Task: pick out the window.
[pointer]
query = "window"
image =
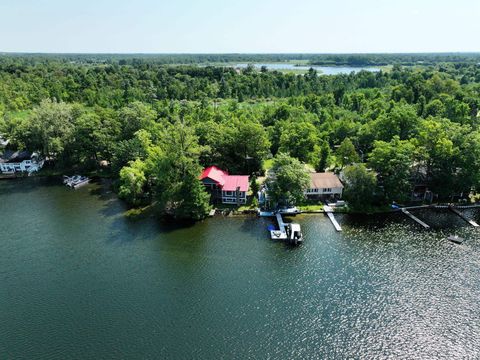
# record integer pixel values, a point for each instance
(327, 190)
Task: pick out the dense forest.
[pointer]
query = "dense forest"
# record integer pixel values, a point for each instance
(157, 125)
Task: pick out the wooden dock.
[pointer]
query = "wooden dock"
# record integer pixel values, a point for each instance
(282, 232)
(329, 211)
(471, 222)
(414, 218)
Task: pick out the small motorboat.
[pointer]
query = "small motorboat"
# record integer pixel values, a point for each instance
(289, 210)
(456, 239)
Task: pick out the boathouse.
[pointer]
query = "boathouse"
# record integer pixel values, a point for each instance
(324, 186)
(229, 189)
(19, 161)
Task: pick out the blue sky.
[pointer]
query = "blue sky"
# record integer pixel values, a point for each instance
(246, 26)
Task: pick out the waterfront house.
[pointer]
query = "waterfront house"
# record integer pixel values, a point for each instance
(19, 161)
(324, 186)
(229, 189)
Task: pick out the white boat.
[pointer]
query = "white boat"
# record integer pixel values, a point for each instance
(75, 181)
(289, 211)
(294, 233)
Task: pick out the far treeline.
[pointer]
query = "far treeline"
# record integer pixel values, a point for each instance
(156, 126)
(406, 59)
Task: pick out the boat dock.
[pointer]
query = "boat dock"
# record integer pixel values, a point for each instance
(414, 218)
(455, 211)
(280, 234)
(329, 211)
(286, 231)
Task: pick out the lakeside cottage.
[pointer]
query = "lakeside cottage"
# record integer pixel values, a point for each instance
(324, 186)
(229, 189)
(12, 162)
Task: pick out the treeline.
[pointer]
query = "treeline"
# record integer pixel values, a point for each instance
(158, 126)
(25, 84)
(407, 59)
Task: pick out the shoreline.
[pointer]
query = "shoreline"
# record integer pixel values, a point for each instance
(107, 180)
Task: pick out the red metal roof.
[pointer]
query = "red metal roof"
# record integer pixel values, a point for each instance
(232, 182)
(228, 182)
(214, 174)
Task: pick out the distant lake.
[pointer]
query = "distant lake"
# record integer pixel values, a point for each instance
(80, 280)
(324, 70)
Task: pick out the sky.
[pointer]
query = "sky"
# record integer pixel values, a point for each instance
(242, 26)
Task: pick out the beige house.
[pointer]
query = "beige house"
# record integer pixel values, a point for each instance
(325, 185)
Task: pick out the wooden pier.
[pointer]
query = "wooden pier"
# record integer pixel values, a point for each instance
(471, 222)
(282, 232)
(329, 211)
(414, 218)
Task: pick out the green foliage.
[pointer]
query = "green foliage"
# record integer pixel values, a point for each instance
(360, 187)
(178, 191)
(300, 140)
(346, 153)
(416, 125)
(393, 161)
(49, 129)
(132, 182)
(287, 180)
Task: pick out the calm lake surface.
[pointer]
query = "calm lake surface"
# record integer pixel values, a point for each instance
(323, 70)
(80, 280)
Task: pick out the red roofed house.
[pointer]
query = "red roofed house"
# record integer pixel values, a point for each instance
(230, 189)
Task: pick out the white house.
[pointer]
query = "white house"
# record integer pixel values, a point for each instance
(325, 185)
(19, 161)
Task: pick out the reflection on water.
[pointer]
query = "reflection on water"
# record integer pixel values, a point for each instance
(80, 280)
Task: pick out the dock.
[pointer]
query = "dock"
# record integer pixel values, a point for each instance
(455, 211)
(329, 211)
(282, 232)
(414, 218)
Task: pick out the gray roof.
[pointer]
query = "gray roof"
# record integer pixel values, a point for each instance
(10, 156)
(326, 180)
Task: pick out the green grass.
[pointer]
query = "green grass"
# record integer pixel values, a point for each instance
(311, 207)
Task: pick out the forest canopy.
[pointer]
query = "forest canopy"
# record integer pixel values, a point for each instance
(157, 124)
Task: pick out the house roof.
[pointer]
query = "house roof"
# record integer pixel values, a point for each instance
(226, 181)
(232, 182)
(214, 174)
(10, 156)
(326, 180)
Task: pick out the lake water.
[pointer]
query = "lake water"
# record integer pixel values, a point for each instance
(80, 280)
(323, 70)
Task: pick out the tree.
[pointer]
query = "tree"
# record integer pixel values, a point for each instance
(300, 139)
(49, 129)
(324, 157)
(360, 186)
(393, 162)
(246, 146)
(134, 117)
(287, 180)
(132, 182)
(346, 153)
(179, 191)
